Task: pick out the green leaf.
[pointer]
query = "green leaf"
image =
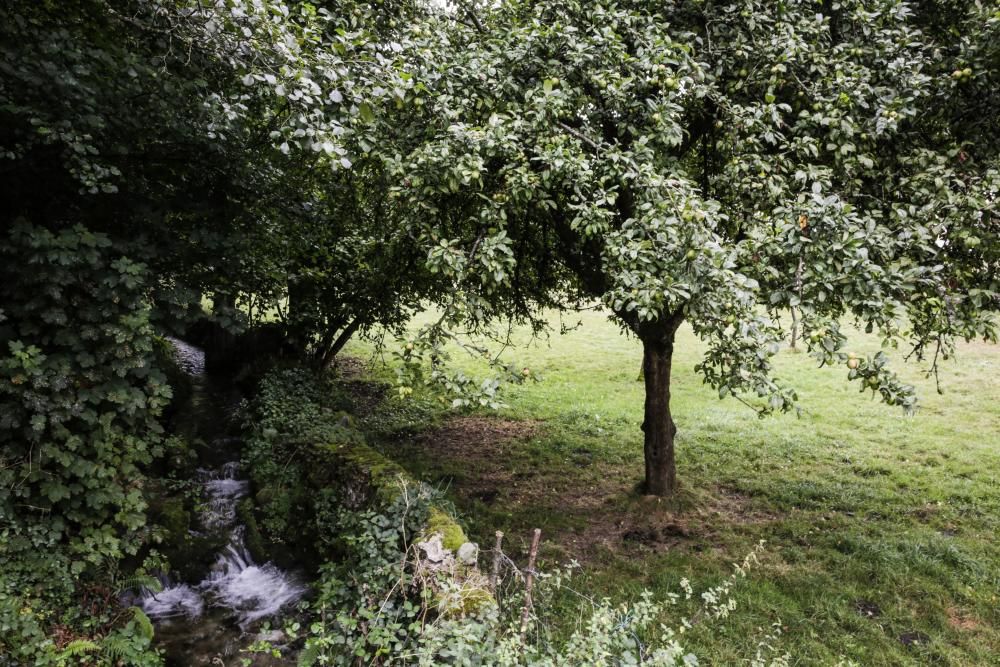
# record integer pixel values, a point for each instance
(366, 112)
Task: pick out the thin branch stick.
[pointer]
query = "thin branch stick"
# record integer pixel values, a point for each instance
(798, 291)
(530, 571)
(470, 12)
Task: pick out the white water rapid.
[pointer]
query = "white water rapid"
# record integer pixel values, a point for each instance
(236, 585)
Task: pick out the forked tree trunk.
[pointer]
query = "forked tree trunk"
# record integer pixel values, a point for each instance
(658, 426)
(331, 347)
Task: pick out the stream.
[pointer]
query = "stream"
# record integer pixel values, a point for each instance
(211, 621)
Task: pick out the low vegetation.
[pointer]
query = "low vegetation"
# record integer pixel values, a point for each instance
(394, 583)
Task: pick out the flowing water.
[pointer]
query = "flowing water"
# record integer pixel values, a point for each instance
(212, 620)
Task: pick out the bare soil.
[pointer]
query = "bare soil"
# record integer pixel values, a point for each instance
(962, 620)
(597, 508)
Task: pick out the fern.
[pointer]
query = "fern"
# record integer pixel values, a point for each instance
(116, 647)
(310, 655)
(143, 623)
(139, 582)
(78, 647)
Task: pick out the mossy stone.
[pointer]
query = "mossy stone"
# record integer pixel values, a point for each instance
(251, 532)
(470, 600)
(452, 535)
(382, 474)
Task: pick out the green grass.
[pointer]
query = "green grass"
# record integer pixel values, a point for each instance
(857, 502)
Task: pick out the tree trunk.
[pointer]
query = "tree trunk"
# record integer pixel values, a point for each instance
(331, 350)
(798, 291)
(658, 426)
(795, 327)
(299, 300)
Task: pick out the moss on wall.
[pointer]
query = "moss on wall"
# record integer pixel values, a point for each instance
(452, 535)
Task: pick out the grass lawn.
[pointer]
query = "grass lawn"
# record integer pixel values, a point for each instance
(882, 530)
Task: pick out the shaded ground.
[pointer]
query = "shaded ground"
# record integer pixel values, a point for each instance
(480, 458)
(366, 395)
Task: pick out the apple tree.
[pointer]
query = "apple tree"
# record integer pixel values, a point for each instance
(714, 163)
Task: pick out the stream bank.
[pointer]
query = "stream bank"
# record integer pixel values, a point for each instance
(283, 510)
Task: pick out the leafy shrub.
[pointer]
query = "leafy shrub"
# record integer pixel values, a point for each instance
(127, 645)
(293, 411)
(79, 396)
(630, 633)
(85, 626)
(79, 404)
(369, 604)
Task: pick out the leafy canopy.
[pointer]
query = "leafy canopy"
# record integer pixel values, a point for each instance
(679, 160)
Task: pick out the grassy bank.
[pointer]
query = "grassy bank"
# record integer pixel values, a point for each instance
(881, 528)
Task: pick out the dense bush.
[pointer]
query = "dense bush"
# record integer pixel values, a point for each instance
(79, 401)
(79, 397)
(369, 604)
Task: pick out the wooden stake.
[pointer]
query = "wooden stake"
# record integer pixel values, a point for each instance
(497, 556)
(529, 580)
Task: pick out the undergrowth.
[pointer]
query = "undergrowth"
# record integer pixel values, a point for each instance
(387, 594)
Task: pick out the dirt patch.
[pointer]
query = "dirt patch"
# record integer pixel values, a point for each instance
(927, 512)
(350, 368)
(483, 449)
(647, 536)
(654, 535)
(737, 507)
(909, 639)
(867, 608)
(486, 496)
(961, 620)
(366, 396)
(625, 521)
(587, 513)
(479, 438)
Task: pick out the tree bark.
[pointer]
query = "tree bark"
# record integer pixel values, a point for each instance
(795, 328)
(300, 299)
(658, 426)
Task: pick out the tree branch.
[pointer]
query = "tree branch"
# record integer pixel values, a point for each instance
(581, 136)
